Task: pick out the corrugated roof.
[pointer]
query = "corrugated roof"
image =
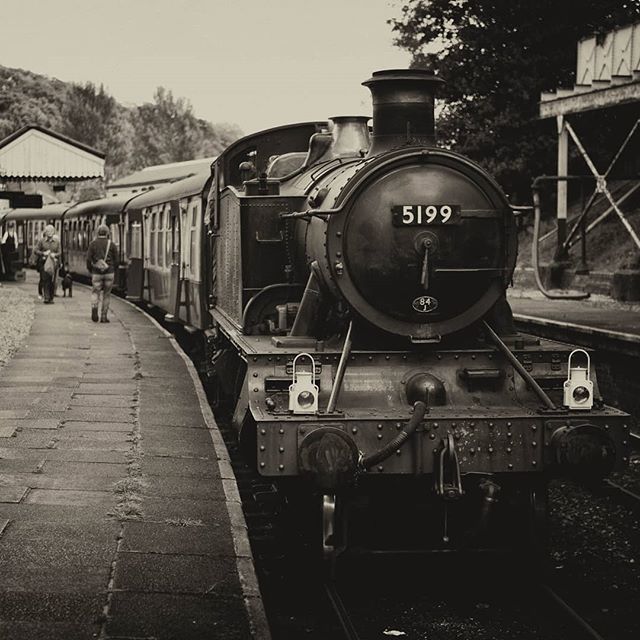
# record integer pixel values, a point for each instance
(36, 153)
(163, 173)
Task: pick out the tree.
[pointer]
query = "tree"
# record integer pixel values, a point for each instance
(165, 130)
(497, 56)
(92, 116)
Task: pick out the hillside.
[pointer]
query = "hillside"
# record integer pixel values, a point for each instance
(609, 246)
(165, 130)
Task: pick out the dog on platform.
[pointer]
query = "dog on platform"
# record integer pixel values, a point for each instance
(67, 281)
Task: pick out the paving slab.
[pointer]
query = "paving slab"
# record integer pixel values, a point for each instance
(170, 418)
(44, 423)
(112, 401)
(86, 444)
(181, 487)
(27, 630)
(115, 389)
(6, 414)
(45, 481)
(101, 414)
(87, 469)
(72, 497)
(185, 467)
(93, 456)
(51, 607)
(29, 438)
(18, 465)
(159, 537)
(43, 413)
(183, 510)
(111, 427)
(177, 617)
(45, 514)
(7, 431)
(13, 494)
(12, 402)
(176, 573)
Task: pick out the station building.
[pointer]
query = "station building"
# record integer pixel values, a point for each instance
(36, 160)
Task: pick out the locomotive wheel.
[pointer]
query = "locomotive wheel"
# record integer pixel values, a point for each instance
(328, 525)
(537, 534)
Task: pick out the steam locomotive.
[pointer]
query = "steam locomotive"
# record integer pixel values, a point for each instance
(360, 289)
(347, 289)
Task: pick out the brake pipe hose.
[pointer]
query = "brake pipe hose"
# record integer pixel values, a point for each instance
(419, 410)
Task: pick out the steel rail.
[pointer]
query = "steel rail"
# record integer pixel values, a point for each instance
(625, 494)
(341, 612)
(587, 630)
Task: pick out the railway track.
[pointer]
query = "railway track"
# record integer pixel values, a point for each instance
(340, 610)
(582, 626)
(621, 494)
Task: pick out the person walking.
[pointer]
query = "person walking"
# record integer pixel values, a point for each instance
(56, 279)
(102, 260)
(48, 251)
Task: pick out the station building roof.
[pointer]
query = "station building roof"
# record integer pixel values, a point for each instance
(607, 74)
(35, 153)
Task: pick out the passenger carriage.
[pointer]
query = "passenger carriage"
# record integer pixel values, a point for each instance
(166, 270)
(27, 226)
(80, 227)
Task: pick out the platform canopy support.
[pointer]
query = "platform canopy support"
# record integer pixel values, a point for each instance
(607, 76)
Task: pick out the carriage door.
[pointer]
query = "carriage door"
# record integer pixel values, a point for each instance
(174, 276)
(135, 272)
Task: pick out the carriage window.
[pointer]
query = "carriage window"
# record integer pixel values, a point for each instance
(136, 240)
(175, 242)
(152, 242)
(160, 238)
(170, 247)
(194, 260)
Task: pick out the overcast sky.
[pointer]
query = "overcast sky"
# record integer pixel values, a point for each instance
(257, 63)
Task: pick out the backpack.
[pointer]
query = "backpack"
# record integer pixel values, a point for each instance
(101, 265)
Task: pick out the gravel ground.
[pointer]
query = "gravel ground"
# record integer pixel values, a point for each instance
(595, 545)
(630, 478)
(16, 316)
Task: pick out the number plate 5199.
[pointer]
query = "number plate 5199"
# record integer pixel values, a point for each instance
(412, 215)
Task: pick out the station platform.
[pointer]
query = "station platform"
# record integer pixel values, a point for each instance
(597, 323)
(119, 512)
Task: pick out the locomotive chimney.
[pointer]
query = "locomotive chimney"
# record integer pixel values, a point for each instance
(403, 101)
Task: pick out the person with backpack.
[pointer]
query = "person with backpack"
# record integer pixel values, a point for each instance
(102, 261)
(47, 252)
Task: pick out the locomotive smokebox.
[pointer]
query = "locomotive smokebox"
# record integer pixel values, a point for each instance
(403, 104)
